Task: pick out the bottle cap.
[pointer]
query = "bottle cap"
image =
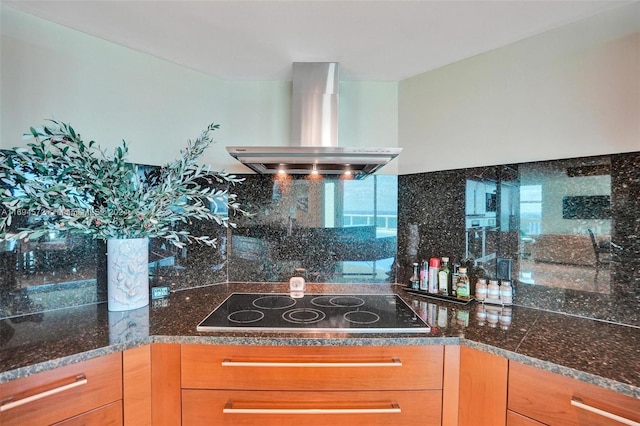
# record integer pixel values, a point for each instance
(445, 259)
(462, 270)
(434, 262)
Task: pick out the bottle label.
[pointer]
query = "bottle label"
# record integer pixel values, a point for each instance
(433, 280)
(443, 281)
(424, 279)
(463, 289)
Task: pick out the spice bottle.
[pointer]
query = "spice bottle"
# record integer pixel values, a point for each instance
(415, 277)
(454, 280)
(434, 267)
(493, 291)
(463, 284)
(506, 295)
(481, 289)
(443, 277)
(424, 276)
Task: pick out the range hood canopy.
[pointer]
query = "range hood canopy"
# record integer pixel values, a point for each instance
(314, 133)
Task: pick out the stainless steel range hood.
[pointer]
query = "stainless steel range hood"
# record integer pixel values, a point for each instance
(314, 132)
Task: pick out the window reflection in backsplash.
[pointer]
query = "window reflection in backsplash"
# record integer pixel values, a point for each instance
(337, 230)
(566, 230)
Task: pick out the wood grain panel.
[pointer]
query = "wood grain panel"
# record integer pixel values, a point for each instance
(421, 368)
(546, 397)
(201, 407)
(451, 385)
(103, 386)
(109, 415)
(165, 384)
(483, 388)
(515, 419)
(136, 364)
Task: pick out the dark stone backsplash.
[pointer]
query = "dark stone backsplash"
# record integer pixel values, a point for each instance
(553, 270)
(292, 228)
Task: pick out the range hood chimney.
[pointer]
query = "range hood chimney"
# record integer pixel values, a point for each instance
(314, 133)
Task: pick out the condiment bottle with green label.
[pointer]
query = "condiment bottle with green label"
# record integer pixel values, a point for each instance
(443, 277)
(463, 287)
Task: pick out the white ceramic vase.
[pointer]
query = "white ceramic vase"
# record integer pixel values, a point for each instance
(127, 273)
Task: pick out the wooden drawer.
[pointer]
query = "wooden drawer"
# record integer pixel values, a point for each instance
(281, 408)
(64, 392)
(547, 398)
(312, 368)
(109, 415)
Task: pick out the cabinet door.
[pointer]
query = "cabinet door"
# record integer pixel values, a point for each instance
(557, 400)
(483, 388)
(136, 365)
(312, 368)
(250, 408)
(64, 392)
(165, 384)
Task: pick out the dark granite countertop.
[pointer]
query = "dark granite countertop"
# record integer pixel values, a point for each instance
(597, 352)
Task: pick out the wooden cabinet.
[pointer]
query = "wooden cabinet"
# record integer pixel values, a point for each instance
(63, 393)
(553, 399)
(483, 388)
(108, 415)
(136, 366)
(379, 408)
(311, 385)
(165, 384)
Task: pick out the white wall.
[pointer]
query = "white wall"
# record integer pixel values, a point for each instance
(109, 93)
(573, 91)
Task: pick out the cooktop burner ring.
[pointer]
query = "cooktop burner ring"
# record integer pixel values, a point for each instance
(372, 317)
(251, 316)
(274, 301)
(293, 315)
(337, 301)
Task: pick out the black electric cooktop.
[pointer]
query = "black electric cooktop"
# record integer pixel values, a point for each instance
(346, 313)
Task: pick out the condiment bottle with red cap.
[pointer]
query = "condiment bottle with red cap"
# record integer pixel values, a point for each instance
(434, 267)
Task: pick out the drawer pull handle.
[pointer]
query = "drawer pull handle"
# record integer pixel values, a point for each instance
(229, 363)
(577, 402)
(9, 403)
(392, 408)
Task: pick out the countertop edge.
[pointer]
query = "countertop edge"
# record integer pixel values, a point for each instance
(551, 367)
(613, 385)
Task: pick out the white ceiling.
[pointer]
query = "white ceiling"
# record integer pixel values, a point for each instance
(258, 40)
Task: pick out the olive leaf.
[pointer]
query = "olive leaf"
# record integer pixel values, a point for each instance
(64, 184)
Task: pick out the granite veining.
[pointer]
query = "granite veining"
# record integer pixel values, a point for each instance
(593, 351)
